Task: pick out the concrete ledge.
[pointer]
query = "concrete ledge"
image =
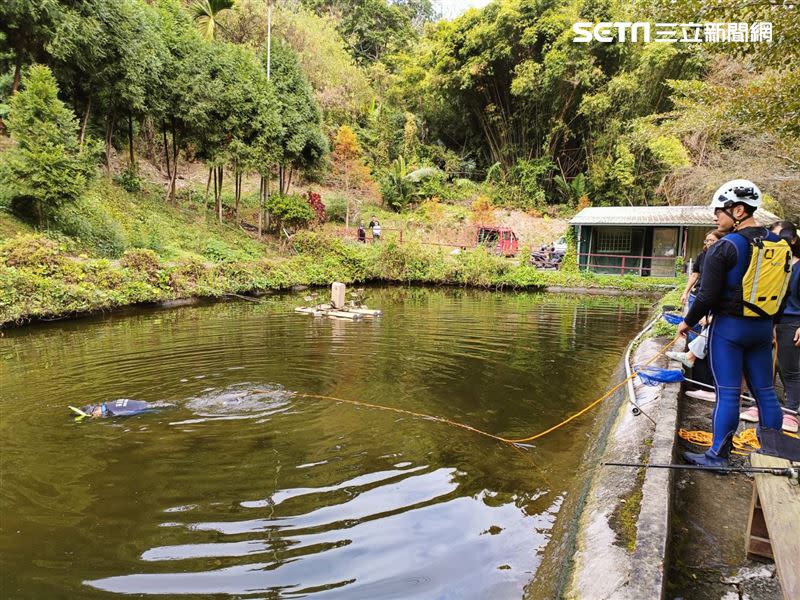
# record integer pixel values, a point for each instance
(600, 291)
(623, 529)
(652, 536)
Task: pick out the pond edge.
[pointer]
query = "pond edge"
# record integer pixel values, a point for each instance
(599, 529)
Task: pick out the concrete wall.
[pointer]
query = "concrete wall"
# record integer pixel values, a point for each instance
(610, 539)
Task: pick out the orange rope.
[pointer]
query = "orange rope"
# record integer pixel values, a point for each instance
(511, 441)
(743, 443)
(404, 412)
(593, 404)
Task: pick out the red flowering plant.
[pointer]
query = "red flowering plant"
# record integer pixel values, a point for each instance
(315, 202)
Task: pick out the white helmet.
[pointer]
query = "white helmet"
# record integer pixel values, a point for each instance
(737, 191)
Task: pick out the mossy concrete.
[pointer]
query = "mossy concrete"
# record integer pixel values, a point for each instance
(620, 544)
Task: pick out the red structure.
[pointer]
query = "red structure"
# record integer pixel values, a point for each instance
(500, 240)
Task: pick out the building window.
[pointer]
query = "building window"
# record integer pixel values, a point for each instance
(614, 240)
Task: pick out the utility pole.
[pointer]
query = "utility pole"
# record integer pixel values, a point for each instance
(269, 38)
(264, 192)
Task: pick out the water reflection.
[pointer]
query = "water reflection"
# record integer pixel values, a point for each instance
(247, 489)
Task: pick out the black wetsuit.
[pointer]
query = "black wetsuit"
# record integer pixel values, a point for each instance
(697, 267)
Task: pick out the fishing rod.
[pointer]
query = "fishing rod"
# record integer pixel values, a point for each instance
(790, 472)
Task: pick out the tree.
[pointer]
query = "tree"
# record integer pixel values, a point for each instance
(374, 29)
(240, 116)
(25, 29)
(341, 87)
(302, 145)
(48, 166)
(508, 85)
(206, 13)
(180, 106)
(111, 53)
(348, 170)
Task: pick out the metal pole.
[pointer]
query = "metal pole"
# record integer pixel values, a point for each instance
(627, 360)
(269, 39)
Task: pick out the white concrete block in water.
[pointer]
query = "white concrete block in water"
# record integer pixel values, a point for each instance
(337, 295)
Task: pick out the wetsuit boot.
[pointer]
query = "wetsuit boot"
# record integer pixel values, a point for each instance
(709, 458)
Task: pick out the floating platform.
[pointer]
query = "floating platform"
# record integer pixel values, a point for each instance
(338, 308)
(346, 312)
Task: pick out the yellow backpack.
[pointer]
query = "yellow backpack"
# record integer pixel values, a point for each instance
(767, 277)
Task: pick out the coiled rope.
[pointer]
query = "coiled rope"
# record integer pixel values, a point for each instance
(511, 441)
(743, 443)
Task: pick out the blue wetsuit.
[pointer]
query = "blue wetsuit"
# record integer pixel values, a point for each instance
(120, 408)
(737, 345)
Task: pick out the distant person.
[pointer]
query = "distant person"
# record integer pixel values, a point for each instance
(787, 334)
(376, 230)
(697, 267)
(362, 234)
(117, 408)
(697, 347)
(743, 300)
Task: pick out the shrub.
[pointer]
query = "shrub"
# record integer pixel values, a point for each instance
(220, 252)
(315, 202)
(31, 250)
(129, 180)
(431, 211)
(290, 210)
(397, 191)
(142, 260)
(336, 209)
(88, 221)
(569, 264)
(433, 185)
(482, 210)
(480, 267)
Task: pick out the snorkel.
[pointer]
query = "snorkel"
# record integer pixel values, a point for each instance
(90, 411)
(80, 414)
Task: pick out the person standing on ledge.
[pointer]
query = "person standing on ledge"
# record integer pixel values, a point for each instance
(745, 276)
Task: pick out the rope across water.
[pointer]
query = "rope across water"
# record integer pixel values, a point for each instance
(511, 441)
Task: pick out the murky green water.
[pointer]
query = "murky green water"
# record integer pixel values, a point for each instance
(245, 490)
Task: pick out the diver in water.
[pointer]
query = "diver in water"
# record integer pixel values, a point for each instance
(116, 408)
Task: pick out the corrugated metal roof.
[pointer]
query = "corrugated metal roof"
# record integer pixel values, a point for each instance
(656, 215)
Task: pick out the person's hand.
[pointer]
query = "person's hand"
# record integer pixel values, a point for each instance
(797, 337)
(683, 329)
(684, 298)
(703, 322)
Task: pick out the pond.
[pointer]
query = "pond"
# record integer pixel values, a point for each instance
(242, 488)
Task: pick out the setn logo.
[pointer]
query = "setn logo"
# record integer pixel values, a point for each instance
(611, 32)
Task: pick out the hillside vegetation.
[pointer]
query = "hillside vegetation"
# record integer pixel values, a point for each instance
(163, 133)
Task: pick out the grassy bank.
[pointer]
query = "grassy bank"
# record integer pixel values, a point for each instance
(44, 278)
(116, 248)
